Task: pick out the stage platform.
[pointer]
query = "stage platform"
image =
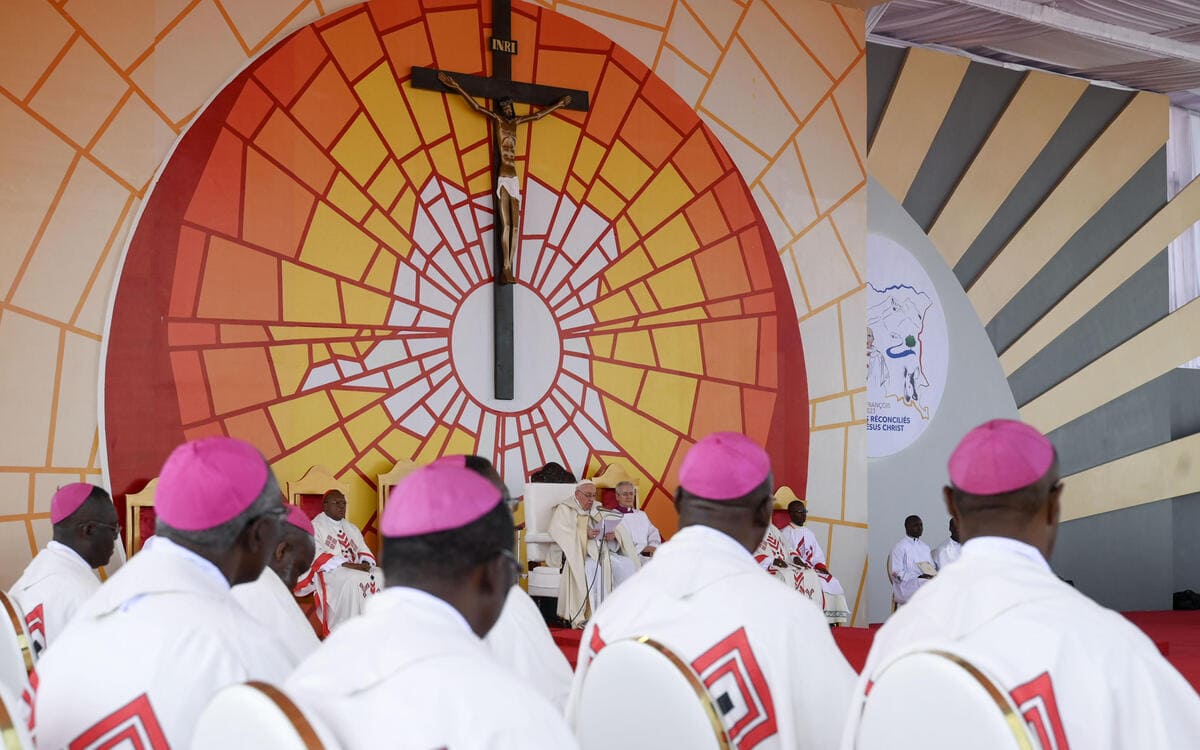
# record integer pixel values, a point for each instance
(1177, 635)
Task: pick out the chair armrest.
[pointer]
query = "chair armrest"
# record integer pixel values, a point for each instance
(539, 537)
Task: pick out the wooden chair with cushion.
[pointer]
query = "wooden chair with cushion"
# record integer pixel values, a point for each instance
(255, 715)
(607, 481)
(135, 503)
(385, 482)
(784, 496)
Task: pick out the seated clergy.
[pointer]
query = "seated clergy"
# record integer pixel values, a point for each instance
(61, 578)
(911, 561)
(634, 539)
(774, 557)
(412, 672)
(350, 571)
(270, 600)
(949, 550)
(520, 639)
(576, 525)
(1081, 676)
(765, 654)
(149, 649)
(806, 551)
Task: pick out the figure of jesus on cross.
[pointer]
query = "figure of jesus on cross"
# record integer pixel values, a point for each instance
(508, 184)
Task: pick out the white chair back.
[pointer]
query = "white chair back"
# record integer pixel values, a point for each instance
(258, 716)
(17, 657)
(933, 698)
(539, 501)
(639, 695)
(14, 732)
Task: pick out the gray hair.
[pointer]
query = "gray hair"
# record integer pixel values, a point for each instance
(625, 483)
(222, 537)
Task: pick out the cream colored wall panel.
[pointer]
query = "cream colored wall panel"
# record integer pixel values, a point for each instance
(1159, 473)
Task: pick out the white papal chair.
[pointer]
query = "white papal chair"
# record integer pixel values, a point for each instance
(14, 734)
(637, 694)
(539, 501)
(937, 698)
(17, 656)
(258, 716)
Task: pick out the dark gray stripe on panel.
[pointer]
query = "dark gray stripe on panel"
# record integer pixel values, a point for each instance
(883, 68)
(1136, 304)
(981, 98)
(1089, 117)
(1133, 205)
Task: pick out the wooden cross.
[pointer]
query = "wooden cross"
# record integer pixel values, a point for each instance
(503, 91)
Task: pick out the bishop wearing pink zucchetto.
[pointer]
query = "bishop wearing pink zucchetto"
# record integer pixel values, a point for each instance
(60, 579)
(150, 647)
(1082, 676)
(763, 650)
(412, 670)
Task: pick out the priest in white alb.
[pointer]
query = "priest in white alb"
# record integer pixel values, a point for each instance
(344, 573)
(412, 671)
(148, 650)
(629, 555)
(270, 599)
(910, 565)
(62, 576)
(949, 550)
(763, 652)
(1081, 676)
(805, 551)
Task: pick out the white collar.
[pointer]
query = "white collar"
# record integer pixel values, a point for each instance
(396, 595)
(166, 546)
(913, 539)
(68, 553)
(1005, 547)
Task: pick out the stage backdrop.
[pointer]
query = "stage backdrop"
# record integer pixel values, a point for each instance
(310, 268)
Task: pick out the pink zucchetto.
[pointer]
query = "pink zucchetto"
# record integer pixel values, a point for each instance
(724, 466)
(438, 497)
(207, 482)
(1000, 456)
(68, 499)
(297, 518)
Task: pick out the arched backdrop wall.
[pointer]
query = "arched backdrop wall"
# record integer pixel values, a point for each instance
(685, 236)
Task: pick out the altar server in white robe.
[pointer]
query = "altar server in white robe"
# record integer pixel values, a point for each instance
(270, 599)
(764, 652)
(344, 573)
(629, 555)
(62, 576)
(520, 639)
(1082, 676)
(949, 550)
(149, 649)
(575, 526)
(805, 551)
(911, 562)
(412, 671)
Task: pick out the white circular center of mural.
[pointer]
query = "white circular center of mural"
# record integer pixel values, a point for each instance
(537, 349)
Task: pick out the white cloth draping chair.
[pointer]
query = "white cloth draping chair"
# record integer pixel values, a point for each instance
(539, 501)
(934, 697)
(17, 658)
(258, 716)
(639, 695)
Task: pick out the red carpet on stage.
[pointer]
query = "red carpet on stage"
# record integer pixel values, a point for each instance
(1177, 635)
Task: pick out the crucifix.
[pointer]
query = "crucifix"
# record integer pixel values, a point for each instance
(503, 92)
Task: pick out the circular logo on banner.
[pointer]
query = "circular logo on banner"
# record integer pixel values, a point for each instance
(907, 348)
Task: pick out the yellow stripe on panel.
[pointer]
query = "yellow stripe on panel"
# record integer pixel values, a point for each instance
(919, 102)
(1170, 222)
(1158, 473)
(1032, 117)
(1161, 347)
(1137, 133)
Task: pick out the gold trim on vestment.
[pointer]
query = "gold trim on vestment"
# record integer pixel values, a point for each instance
(308, 735)
(689, 674)
(19, 631)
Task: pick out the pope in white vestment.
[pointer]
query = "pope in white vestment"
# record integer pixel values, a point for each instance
(911, 562)
(159, 638)
(764, 653)
(62, 576)
(1081, 676)
(803, 547)
(344, 573)
(270, 600)
(412, 672)
(949, 550)
(576, 526)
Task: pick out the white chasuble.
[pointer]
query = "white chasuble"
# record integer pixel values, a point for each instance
(521, 641)
(409, 674)
(763, 651)
(146, 653)
(804, 580)
(908, 560)
(946, 553)
(1082, 676)
(51, 590)
(803, 544)
(587, 572)
(341, 592)
(269, 601)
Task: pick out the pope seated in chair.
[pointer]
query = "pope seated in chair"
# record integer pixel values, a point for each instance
(344, 574)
